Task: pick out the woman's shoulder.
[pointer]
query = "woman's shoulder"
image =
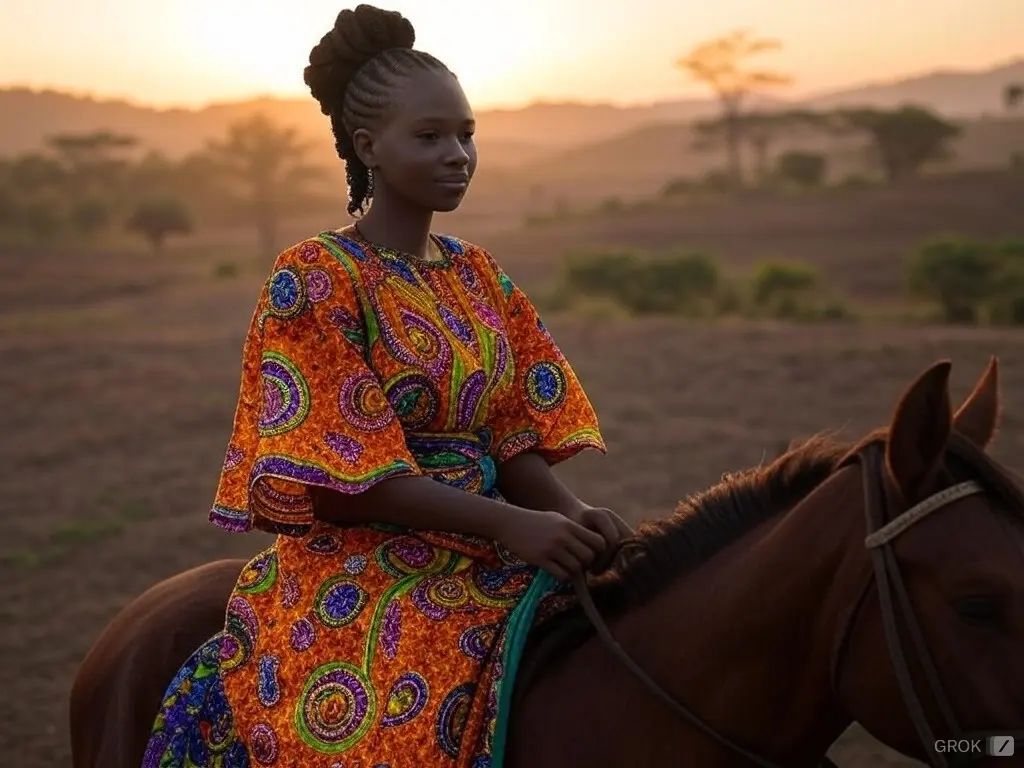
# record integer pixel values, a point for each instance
(455, 245)
(476, 254)
(321, 270)
(481, 262)
(332, 252)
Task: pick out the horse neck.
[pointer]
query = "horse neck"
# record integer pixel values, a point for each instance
(744, 642)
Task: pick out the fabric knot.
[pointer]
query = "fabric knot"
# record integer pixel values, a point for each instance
(459, 459)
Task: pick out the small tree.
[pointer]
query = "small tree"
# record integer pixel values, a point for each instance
(90, 216)
(719, 64)
(760, 130)
(267, 175)
(1013, 96)
(904, 140)
(156, 220)
(43, 218)
(803, 169)
(10, 200)
(93, 163)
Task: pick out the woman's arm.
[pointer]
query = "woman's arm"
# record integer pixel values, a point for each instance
(419, 502)
(527, 480)
(543, 538)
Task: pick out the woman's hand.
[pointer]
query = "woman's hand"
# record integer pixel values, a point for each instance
(612, 528)
(552, 541)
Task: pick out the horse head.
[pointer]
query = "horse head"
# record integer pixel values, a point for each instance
(941, 608)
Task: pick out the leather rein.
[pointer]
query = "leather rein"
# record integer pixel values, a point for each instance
(887, 577)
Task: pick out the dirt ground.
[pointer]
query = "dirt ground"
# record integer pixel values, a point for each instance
(119, 387)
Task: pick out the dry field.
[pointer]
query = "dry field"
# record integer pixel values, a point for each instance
(859, 238)
(119, 386)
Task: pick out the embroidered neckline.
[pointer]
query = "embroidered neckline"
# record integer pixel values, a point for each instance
(436, 241)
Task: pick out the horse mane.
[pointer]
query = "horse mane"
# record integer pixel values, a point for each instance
(707, 521)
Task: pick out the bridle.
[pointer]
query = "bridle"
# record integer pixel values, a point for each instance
(887, 576)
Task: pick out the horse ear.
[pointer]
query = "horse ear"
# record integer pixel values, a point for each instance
(978, 418)
(919, 432)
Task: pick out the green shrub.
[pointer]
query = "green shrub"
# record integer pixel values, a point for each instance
(690, 284)
(612, 205)
(774, 281)
(1006, 305)
(971, 281)
(675, 284)
(802, 169)
(225, 269)
(678, 187)
(958, 274)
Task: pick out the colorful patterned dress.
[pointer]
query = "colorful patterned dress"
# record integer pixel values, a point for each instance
(372, 646)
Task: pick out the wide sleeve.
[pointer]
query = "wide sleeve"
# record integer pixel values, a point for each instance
(542, 407)
(310, 410)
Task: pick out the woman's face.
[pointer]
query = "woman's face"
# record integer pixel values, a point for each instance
(423, 152)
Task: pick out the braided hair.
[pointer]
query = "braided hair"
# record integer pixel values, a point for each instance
(353, 72)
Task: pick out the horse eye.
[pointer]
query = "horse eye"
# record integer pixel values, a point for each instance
(979, 610)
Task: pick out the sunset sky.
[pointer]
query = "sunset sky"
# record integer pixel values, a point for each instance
(506, 52)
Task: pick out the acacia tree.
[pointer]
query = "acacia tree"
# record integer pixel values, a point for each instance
(904, 140)
(1013, 96)
(36, 206)
(156, 219)
(266, 174)
(93, 162)
(721, 65)
(95, 167)
(760, 130)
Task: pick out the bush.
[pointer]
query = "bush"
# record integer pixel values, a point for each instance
(958, 274)
(612, 205)
(678, 187)
(225, 269)
(691, 285)
(90, 216)
(776, 281)
(802, 169)
(971, 281)
(676, 284)
(43, 218)
(1006, 306)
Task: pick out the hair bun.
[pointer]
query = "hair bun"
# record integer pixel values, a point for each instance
(357, 37)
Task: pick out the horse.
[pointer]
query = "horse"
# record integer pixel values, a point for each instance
(880, 582)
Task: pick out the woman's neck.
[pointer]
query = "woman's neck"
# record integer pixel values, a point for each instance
(397, 225)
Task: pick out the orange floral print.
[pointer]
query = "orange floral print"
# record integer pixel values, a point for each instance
(372, 645)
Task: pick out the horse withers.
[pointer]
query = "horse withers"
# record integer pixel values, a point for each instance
(880, 582)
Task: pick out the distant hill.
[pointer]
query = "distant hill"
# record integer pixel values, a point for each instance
(640, 162)
(509, 137)
(955, 93)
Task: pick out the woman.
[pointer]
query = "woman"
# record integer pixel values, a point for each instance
(401, 405)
